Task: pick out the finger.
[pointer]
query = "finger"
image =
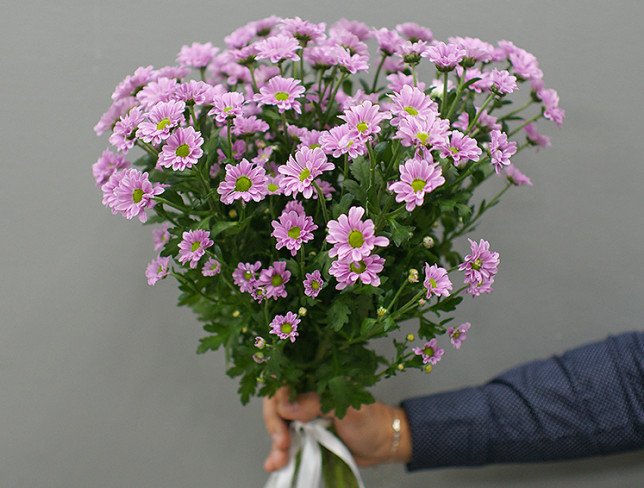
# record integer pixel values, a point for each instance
(305, 408)
(275, 425)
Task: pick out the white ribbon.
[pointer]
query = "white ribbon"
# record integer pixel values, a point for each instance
(308, 437)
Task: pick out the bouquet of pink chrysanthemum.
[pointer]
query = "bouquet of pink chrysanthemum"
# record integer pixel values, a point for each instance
(305, 208)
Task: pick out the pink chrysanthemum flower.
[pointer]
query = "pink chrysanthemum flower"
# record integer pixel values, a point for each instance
(245, 276)
(422, 131)
(157, 269)
(109, 199)
(247, 126)
(294, 206)
(389, 41)
(458, 334)
(364, 120)
(263, 155)
(227, 106)
(273, 184)
(417, 178)
(197, 92)
(197, 55)
(475, 49)
(274, 280)
(278, 48)
(352, 238)
(303, 30)
(182, 149)
(300, 171)
(516, 177)
(118, 109)
(415, 32)
(193, 246)
(359, 29)
(534, 137)
(338, 141)
(107, 165)
(176, 72)
(398, 80)
(445, 56)
(430, 352)
(239, 149)
(500, 150)
(437, 281)
(285, 326)
(212, 267)
(244, 181)
(352, 63)
(348, 272)
(524, 64)
(486, 121)
(292, 230)
(460, 148)
(161, 118)
(160, 236)
(552, 111)
(123, 135)
(410, 102)
(502, 82)
(282, 92)
(126, 88)
(480, 265)
(161, 90)
(133, 194)
(313, 284)
(327, 190)
(412, 52)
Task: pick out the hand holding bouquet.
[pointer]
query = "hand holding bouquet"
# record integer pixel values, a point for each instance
(308, 200)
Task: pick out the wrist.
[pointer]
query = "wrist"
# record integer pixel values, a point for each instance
(400, 436)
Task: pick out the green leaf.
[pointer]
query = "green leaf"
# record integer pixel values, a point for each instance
(447, 305)
(338, 314)
(342, 206)
(220, 227)
(360, 170)
(400, 233)
(247, 387)
(210, 343)
(173, 197)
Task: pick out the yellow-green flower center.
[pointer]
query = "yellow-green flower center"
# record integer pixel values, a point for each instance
(137, 195)
(276, 280)
(418, 184)
(248, 275)
(160, 269)
(432, 282)
(281, 96)
(358, 267)
(362, 126)
(428, 351)
(195, 246)
(453, 150)
(356, 239)
(163, 123)
(272, 187)
(227, 109)
(313, 146)
(183, 150)
(304, 174)
(477, 264)
(294, 232)
(422, 137)
(411, 111)
(315, 285)
(286, 328)
(243, 183)
(456, 334)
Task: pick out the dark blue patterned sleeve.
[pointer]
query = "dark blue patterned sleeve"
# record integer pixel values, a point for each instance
(587, 402)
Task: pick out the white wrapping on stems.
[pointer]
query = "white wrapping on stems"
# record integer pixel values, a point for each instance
(308, 437)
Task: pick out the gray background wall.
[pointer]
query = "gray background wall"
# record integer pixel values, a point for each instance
(99, 383)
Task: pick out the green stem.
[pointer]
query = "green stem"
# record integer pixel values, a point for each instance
(345, 173)
(195, 122)
(514, 112)
(229, 124)
(478, 114)
(375, 79)
(444, 100)
(253, 81)
(457, 97)
(395, 298)
(332, 99)
(322, 202)
(147, 148)
(529, 121)
(409, 305)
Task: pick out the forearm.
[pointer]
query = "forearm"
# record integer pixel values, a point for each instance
(589, 401)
